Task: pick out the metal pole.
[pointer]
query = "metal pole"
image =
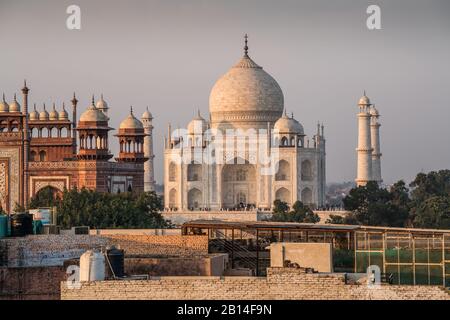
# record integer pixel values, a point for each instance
(257, 252)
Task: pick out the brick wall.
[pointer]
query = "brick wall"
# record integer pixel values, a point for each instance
(31, 283)
(281, 283)
(53, 250)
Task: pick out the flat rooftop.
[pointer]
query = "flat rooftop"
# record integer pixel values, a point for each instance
(268, 225)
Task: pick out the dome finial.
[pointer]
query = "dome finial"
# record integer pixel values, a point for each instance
(4, 97)
(246, 45)
(54, 106)
(131, 110)
(292, 115)
(64, 106)
(35, 107)
(93, 100)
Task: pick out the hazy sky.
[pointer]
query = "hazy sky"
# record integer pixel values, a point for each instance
(168, 55)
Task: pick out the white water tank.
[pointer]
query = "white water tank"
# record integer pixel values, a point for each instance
(92, 266)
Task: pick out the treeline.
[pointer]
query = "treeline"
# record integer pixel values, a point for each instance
(424, 203)
(103, 210)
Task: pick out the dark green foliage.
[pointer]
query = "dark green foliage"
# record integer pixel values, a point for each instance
(426, 206)
(105, 210)
(46, 197)
(299, 213)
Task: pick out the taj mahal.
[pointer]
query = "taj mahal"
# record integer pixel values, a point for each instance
(245, 99)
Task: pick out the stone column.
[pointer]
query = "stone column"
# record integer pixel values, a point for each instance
(364, 150)
(74, 124)
(26, 146)
(149, 175)
(375, 137)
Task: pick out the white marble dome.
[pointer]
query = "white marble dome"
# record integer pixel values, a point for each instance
(53, 114)
(101, 104)
(197, 125)
(288, 125)
(364, 100)
(246, 96)
(131, 122)
(147, 115)
(43, 115)
(4, 107)
(34, 115)
(63, 115)
(92, 114)
(14, 106)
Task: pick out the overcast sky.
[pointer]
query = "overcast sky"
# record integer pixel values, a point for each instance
(168, 55)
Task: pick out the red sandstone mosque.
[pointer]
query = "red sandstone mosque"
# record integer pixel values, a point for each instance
(47, 149)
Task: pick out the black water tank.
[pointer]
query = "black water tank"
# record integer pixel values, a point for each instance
(21, 224)
(116, 259)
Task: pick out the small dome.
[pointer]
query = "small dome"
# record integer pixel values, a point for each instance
(92, 114)
(4, 107)
(197, 125)
(374, 111)
(147, 115)
(53, 114)
(63, 115)
(34, 115)
(288, 125)
(131, 122)
(101, 104)
(364, 100)
(43, 115)
(14, 106)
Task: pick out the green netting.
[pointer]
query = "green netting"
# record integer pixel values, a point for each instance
(376, 258)
(436, 275)
(391, 255)
(392, 269)
(343, 260)
(406, 274)
(362, 261)
(422, 275)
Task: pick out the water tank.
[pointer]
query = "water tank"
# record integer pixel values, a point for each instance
(3, 225)
(92, 266)
(21, 224)
(116, 261)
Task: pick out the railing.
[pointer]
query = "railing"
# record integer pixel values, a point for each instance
(236, 251)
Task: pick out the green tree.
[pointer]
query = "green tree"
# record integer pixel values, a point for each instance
(374, 206)
(431, 184)
(104, 210)
(433, 212)
(46, 197)
(299, 213)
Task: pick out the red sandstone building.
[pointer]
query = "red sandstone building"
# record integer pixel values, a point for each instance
(46, 149)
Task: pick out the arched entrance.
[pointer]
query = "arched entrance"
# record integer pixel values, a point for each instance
(238, 185)
(194, 199)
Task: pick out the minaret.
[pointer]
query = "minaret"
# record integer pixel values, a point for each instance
(364, 150)
(26, 144)
(375, 137)
(74, 124)
(149, 174)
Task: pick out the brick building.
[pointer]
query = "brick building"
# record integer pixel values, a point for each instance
(47, 149)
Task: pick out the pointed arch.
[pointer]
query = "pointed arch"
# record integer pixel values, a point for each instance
(283, 194)
(194, 199)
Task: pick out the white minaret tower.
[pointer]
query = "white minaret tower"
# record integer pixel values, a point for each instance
(149, 174)
(375, 137)
(364, 150)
